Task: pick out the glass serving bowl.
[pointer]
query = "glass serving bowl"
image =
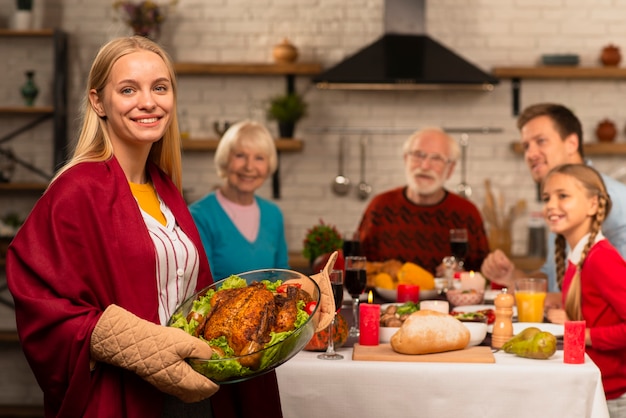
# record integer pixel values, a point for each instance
(225, 370)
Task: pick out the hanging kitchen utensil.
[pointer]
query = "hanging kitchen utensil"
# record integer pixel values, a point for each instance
(364, 189)
(341, 184)
(463, 188)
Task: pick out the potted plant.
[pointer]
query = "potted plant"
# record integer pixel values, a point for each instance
(321, 239)
(24, 4)
(287, 109)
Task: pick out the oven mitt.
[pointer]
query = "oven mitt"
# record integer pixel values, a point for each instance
(326, 311)
(154, 352)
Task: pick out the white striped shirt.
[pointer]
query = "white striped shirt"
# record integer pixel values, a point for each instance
(177, 262)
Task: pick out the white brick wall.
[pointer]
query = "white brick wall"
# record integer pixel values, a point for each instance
(487, 32)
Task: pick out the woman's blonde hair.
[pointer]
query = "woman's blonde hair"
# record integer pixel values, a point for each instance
(592, 181)
(249, 133)
(94, 143)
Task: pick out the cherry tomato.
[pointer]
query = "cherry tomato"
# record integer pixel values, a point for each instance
(283, 287)
(310, 307)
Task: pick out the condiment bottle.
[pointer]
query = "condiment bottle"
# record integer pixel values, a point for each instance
(503, 325)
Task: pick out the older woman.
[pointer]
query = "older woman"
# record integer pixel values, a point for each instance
(241, 232)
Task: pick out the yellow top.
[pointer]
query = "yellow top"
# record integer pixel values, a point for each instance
(148, 201)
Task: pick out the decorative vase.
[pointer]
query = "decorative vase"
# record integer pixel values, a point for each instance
(286, 129)
(285, 52)
(22, 20)
(610, 56)
(29, 89)
(606, 131)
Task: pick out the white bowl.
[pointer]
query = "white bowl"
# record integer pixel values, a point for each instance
(478, 332)
(385, 333)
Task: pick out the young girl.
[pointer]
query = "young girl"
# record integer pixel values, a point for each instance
(594, 279)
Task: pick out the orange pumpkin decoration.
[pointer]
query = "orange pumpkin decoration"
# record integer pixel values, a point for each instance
(319, 341)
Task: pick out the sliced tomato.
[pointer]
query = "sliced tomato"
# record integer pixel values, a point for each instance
(310, 307)
(283, 287)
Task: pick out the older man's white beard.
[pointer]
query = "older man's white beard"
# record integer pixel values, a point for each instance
(414, 186)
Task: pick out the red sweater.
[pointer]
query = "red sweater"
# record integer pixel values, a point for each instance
(395, 228)
(603, 280)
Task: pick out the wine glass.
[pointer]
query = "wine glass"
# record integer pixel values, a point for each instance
(459, 245)
(351, 244)
(355, 282)
(336, 281)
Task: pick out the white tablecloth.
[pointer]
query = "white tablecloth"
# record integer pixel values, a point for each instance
(511, 387)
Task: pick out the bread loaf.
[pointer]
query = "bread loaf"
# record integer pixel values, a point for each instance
(425, 332)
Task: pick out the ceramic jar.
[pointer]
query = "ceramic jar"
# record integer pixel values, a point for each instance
(606, 131)
(610, 56)
(285, 52)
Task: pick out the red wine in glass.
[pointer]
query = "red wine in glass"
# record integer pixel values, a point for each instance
(458, 244)
(337, 294)
(355, 281)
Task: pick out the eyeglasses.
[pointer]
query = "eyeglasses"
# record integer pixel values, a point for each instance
(435, 160)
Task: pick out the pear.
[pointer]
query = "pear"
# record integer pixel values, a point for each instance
(526, 334)
(541, 346)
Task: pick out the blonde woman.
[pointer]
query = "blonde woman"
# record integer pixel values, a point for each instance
(576, 203)
(110, 250)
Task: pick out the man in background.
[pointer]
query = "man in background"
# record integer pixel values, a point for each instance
(413, 222)
(552, 135)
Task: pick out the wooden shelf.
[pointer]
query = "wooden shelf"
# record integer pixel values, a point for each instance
(9, 336)
(599, 148)
(191, 68)
(23, 110)
(552, 72)
(24, 33)
(282, 144)
(23, 187)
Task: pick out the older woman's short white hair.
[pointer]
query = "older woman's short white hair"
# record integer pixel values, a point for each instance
(453, 146)
(245, 133)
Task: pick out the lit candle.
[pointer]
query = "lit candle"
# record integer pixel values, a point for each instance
(473, 280)
(435, 305)
(408, 292)
(369, 322)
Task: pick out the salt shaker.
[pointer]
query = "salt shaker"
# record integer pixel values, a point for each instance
(503, 325)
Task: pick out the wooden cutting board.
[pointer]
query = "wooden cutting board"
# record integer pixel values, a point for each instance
(384, 352)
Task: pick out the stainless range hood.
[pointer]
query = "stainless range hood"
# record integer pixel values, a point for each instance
(404, 59)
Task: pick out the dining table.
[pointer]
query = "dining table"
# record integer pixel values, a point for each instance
(510, 386)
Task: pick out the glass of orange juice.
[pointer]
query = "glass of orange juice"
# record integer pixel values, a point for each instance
(530, 295)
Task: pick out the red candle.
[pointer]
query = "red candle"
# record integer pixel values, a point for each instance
(574, 342)
(369, 324)
(408, 292)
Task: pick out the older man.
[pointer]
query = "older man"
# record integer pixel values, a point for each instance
(552, 135)
(413, 222)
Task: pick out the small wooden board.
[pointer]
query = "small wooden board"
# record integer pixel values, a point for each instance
(384, 352)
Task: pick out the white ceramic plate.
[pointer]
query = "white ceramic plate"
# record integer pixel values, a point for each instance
(555, 329)
(391, 295)
(490, 295)
(476, 308)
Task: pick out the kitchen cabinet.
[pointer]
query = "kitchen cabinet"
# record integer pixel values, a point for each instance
(38, 114)
(556, 72)
(287, 70)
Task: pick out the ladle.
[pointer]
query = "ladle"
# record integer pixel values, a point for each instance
(364, 189)
(463, 188)
(341, 184)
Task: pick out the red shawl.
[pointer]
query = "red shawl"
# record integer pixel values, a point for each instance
(83, 247)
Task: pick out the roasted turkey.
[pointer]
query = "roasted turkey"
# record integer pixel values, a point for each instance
(246, 316)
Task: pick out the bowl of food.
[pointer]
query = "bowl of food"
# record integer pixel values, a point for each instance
(477, 326)
(392, 316)
(458, 297)
(253, 321)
